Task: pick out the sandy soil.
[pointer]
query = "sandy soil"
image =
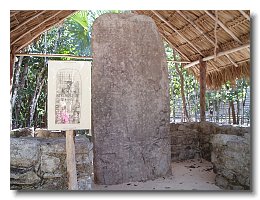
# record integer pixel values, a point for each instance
(187, 175)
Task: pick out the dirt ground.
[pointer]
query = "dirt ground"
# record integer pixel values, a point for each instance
(187, 175)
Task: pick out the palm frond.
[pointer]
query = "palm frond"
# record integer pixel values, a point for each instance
(81, 18)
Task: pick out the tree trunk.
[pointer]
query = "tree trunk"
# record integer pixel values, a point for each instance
(217, 110)
(233, 111)
(14, 90)
(12, 59)
(37, 92)
(244, 101)
(238, 111)
(16, 85)
(229, 117)
(243, 107)
(195, 105)
(182, 87)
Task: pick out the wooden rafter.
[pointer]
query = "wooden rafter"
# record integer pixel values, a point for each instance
(214, 66)
(174, 47)
(215, 35)
(13, 13)
(76, 57)
(229, 65)
(245, 15)
(53, 55)
(38, 25)
(176, 31)
(224, 27)
(231, 60)
(26, 21)
(223, 53)
(195, 26)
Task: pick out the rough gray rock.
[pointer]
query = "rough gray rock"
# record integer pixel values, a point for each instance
(24, 151)
(231, 161)
(227, 147)
(130, 102)
(22, 132)
(40, 164)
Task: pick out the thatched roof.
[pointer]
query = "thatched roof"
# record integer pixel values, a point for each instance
(194, 34)
(223, 35)
(27, 25)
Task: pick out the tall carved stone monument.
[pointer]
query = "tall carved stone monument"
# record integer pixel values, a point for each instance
(130, 102)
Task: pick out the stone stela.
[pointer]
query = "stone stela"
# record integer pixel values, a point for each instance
(130, 102)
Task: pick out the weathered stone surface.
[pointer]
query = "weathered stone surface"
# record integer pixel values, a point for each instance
(231, 161)
(44, 133)
(24, 151)
(24, 176)
(221, 181)
(54, 184)
(22, 132)
(184, 143)
(40, 164)
(50, 166)
(130, 103)
(227, 147)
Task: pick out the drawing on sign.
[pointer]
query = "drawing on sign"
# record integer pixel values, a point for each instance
(68, 97)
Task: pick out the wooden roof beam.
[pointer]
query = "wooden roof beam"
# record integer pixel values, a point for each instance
(245, 15)
(231, 60)
(214, 66)
(26, 21)
(13, 13)
(195, 26)
(38, 25)
(248, 50)
(223, 53)
(75, 57)
(174, 47)
(229, 65)
(176, 31)
(224, 27)
(53, 55)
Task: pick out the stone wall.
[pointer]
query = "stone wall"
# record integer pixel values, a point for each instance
(231, 160)
(190, 140)
(40, 164)
(184, 142)
(227, 147)
(130, 100)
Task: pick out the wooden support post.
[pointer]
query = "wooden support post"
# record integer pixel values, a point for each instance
(71, 161)
(203, 68)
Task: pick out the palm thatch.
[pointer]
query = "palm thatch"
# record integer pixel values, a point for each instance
(194, 34)
(27, 25)
(202, 33)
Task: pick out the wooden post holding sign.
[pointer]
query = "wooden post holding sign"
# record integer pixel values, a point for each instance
(203, 68)
(69, 105)
(71, 160)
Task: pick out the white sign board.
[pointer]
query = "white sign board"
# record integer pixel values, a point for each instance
(69, 95)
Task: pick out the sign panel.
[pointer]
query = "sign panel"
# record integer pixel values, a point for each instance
(69, 95)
